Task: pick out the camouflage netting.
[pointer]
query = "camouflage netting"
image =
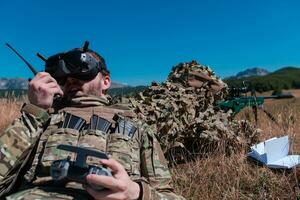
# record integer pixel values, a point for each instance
(182, 110)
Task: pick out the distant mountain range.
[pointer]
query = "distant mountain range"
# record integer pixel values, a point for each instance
(284, 78)
(252, 72)
(261, 80)
(22, 83)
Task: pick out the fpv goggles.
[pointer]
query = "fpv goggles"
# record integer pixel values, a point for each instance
(77, 63)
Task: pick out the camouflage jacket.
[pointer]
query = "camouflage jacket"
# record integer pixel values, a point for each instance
(28, 147)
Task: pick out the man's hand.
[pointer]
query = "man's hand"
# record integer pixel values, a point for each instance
(42, 89)
(120, 186)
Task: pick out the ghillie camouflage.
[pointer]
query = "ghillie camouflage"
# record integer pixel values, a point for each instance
(182, 111)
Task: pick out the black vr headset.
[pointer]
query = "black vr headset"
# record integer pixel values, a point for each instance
(79, 63)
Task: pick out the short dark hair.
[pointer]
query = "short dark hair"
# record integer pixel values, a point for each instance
(103, 68)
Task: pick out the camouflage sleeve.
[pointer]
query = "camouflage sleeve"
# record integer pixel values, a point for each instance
(19, 136)
(154, 168)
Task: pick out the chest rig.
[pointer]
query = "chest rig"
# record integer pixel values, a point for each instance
(105, 128)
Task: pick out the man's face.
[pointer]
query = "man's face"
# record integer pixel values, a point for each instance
(76, 88)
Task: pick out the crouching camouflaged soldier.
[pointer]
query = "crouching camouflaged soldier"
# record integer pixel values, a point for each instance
(83, 117)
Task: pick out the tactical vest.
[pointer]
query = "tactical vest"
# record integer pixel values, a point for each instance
(62, 130)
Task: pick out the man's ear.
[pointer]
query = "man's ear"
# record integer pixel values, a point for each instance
(106, 82)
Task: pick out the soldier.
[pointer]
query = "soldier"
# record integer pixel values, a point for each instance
(28, 145)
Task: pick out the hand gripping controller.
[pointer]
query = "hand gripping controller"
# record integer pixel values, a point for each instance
(78, 170)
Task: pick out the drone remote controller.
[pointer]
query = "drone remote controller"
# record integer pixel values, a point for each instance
(78, 170)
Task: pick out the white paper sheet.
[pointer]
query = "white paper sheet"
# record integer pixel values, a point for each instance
(274, 153)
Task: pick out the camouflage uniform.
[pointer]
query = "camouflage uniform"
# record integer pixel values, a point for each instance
(28, 147)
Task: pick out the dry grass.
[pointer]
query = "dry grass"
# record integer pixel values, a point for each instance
(9, 110)
(235, 177)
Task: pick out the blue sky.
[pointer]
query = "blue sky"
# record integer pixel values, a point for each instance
(142, 40)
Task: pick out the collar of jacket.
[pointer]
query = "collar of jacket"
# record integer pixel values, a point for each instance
(83, 101)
